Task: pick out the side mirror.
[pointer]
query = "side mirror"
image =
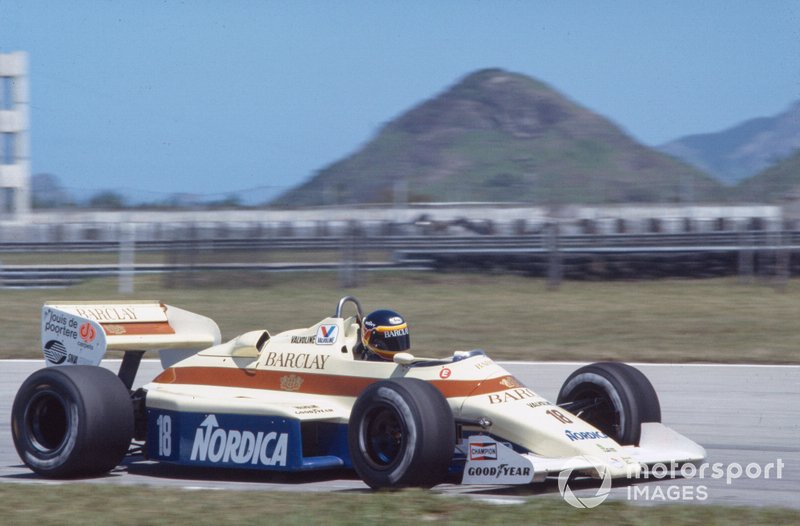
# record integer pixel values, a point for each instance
(404, 358)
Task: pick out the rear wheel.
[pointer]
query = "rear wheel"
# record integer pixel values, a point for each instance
(614, 397)
(72, 421)
(401, 434)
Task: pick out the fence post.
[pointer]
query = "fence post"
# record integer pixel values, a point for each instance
(746, 257)
(554, 264)
(348, 270)
(170, 255)
(782, 257)
(127, 247)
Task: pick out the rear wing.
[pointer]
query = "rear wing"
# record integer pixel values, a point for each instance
(80, 333)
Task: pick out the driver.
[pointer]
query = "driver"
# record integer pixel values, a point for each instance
(384, 333)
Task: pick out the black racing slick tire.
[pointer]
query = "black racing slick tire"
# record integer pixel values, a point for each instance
(612, 396)
(72, 421)
(401, 434)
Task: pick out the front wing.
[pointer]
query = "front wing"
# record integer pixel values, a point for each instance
(489, 461)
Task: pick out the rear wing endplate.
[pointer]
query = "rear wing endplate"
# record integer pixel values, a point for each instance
(80, 333)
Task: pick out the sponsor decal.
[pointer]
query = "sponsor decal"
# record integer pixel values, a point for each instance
(291, 382)
(55, 352)
(511, 396)
(492, 462)
(291, 360)
(396, 333)
(395, 320)
(483, 451)
(108, 313)
(60, 324)
(303, 339)
(114, 330)
(611, 450)
(68, 339)
(503, 470)
(538, 404)
(216, 444)
(311, 410)
(584, 435)
(510, 382)
(616, 462)
(326, 335)
(117, 312)
(87, 332)
(483, 364)
(445, 373)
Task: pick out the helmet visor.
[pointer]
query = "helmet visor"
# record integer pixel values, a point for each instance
(392, 339)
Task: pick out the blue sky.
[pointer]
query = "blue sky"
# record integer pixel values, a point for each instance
(210, 97)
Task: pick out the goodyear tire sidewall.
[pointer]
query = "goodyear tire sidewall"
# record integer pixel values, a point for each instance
(629, 392)
(33, 451)
(72, 421)
(425, 422)
(396, 470)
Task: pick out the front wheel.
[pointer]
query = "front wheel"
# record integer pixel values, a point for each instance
(613, 397)
(401, 434)
(72, 421)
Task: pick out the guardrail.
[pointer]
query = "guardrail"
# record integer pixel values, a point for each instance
(547, 253)
(27, 276)
(694, 239)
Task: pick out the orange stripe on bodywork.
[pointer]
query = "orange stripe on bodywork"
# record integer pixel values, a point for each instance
(144, 328)
(459, 388)
(311, 383)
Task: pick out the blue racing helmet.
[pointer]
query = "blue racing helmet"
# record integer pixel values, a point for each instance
(385, 333)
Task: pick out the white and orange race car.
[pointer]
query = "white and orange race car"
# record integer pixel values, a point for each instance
(305, 400)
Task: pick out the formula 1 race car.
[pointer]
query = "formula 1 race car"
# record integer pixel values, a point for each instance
(305, 400)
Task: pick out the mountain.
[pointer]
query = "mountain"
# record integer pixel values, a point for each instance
(500, 136)
(777, 184)
(737, 153)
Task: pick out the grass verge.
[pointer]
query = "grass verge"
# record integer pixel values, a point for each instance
(94, 504)
(511, 317)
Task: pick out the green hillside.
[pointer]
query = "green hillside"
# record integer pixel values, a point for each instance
(775, 184)
(499, 136)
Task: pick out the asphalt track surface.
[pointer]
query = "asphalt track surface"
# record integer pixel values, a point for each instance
(745, 416)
